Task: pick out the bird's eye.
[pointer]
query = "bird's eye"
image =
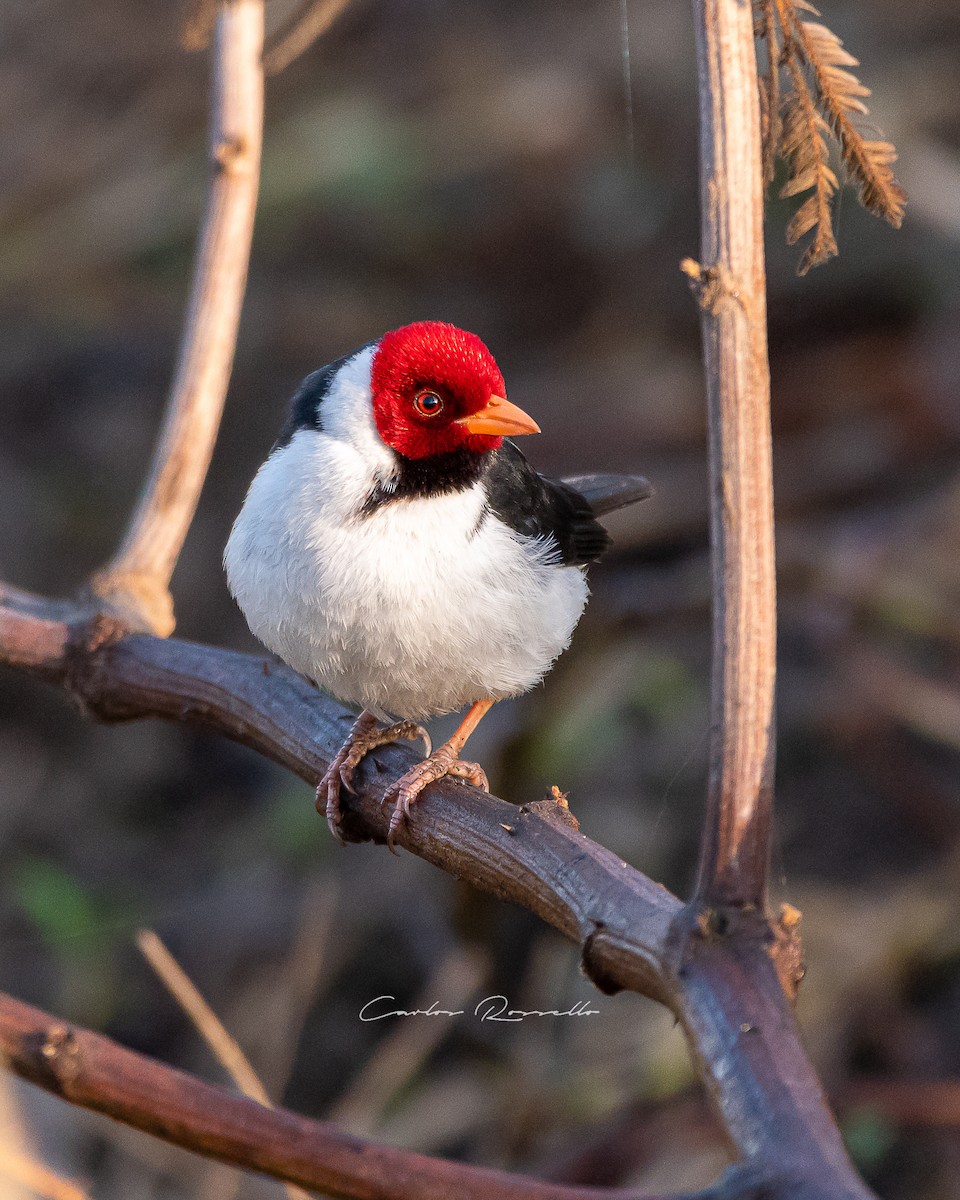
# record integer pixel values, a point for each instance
(427, 403)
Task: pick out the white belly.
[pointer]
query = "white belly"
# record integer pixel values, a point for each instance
(421, 607)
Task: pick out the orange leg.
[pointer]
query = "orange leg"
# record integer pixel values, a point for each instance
(444, 761)
(364, 736)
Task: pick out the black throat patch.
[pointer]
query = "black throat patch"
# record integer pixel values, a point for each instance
(418, 478)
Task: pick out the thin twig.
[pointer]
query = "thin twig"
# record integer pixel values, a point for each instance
(36, 1178)
(206, 1022)
(312, 961)
(735, 848)
(310, 21)
(135, 585)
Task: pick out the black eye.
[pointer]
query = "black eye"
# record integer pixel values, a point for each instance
(428, 404)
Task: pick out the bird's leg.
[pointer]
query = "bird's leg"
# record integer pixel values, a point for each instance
(365, 735)
(444, 761)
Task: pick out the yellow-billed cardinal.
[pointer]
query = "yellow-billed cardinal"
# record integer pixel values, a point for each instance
(399, 552)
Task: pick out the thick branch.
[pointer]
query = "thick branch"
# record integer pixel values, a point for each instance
(136, 583)
(730, 283)
(716, 971)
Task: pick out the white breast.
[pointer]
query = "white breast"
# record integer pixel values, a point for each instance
(420, 607)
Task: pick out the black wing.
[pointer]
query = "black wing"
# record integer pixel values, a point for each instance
(538, 507)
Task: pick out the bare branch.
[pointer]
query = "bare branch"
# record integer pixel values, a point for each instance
(135, 585)
(93, 1072)
(735, 849)
(310, 21)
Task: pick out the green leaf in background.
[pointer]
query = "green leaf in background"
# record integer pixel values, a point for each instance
(869, 1137)
(58, 904)
(295, 828)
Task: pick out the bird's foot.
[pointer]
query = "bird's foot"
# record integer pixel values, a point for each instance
(435, 766)
(364, 737)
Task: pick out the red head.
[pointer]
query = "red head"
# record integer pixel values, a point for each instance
(437, 389)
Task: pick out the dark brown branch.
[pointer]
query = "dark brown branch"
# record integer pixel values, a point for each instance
(731, 287)
(135, 585)
(716, 970)
(94, 1072)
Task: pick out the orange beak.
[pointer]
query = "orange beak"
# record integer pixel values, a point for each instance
(500, 418)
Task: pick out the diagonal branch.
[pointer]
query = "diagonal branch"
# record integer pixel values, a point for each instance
(206, 1022)
(735, 849)
(310, 21)
(94, 1072)
(135, 585)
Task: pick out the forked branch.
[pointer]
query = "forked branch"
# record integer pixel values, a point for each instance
(135, 585)
(722, 973)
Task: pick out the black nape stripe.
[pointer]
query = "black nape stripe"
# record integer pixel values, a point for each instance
(419, 478)
(523, 500)
(306, 406)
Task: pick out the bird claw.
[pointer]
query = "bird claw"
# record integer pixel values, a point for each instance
(408, 787)
(328, 805)
(364, 737)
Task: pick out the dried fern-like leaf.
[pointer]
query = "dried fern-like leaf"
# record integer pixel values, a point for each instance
(805, 149)
(822, 104)
(840, 95)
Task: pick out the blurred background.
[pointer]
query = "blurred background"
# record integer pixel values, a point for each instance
(486, 163)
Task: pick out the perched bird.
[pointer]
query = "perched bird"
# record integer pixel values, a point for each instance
(398, 551)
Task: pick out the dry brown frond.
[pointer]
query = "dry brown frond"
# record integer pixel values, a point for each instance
(841, 97)
(824, 99)
(804, 146)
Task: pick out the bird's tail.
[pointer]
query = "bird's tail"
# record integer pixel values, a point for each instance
(606, 493)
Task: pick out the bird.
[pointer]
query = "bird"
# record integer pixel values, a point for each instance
(397, 549)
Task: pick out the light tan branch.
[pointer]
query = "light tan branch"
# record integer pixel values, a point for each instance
(730, 287)
(22, 1170)
(135, 585)
(206, 1022)
(310, 21)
